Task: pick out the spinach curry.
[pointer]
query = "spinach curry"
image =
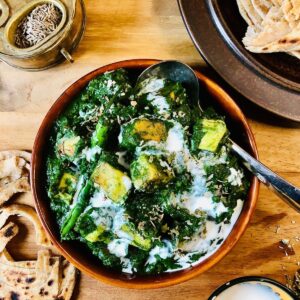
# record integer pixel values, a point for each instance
(141, 178)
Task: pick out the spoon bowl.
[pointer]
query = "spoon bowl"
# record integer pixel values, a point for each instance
(178, 72)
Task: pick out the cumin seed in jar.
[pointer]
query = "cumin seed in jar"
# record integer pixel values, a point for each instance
(37, 25)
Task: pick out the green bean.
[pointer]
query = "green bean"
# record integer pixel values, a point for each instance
(77, 209)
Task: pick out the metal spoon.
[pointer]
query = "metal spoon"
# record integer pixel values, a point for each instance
(180, 72)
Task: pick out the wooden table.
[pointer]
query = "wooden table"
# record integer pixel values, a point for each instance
(118, 30)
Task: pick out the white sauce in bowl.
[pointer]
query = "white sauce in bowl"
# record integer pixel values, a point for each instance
(254, 290)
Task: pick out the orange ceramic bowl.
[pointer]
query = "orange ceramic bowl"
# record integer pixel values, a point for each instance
(76, 252)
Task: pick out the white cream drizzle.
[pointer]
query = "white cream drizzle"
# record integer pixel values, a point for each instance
(90, 153)
(198, 198)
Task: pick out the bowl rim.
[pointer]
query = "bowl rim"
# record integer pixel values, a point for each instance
(245, 279)
(181, 276)
(244, 55)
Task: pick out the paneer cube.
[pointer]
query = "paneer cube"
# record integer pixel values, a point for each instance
(67, 182)
(138, 240)
(138, 130)
(147, 173)
(67, 187)
(115, 183)
(68, 146)
(208, 134)
(94, 235)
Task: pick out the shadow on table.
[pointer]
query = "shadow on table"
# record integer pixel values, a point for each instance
(250, 109)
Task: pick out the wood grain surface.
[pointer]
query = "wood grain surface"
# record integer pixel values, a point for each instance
(118, 30)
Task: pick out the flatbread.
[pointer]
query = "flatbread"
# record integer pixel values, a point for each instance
(12, 167)
(280, 11)
(277, 3)
(14, 173)
(48, 275)
(5, 256)
(40, 283)
(7, 233)
(249, 13)
(275, 28)
(291, 10)
(27, 264)
(8, 190)
(19, 153)
(29, 213)
(283, 42)
(16, 275)
(274, 25)
(244, 13)
(67, 286)
(46, 278)
(49, 279)
(262, 7)
(275, 32)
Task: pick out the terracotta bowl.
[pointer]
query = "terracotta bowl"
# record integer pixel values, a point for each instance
(211, 94)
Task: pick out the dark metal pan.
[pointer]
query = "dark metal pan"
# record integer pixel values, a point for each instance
(272, 81)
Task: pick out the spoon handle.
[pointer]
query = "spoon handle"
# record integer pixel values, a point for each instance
(285, 190)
